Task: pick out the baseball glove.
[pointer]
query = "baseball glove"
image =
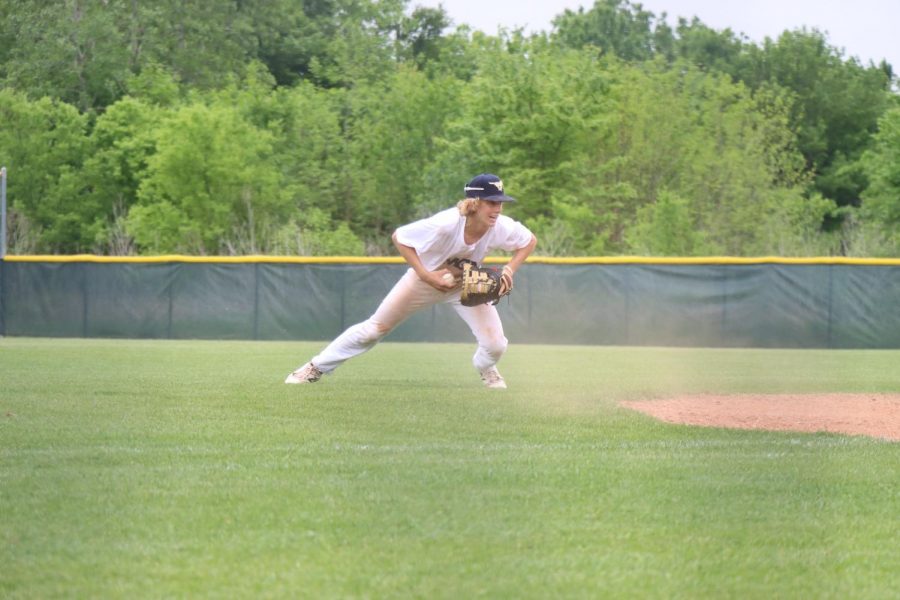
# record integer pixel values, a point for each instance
(481, 285)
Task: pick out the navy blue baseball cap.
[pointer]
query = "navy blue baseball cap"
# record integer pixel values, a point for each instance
(487, 187)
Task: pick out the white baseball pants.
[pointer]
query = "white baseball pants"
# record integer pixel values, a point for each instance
(407, 297)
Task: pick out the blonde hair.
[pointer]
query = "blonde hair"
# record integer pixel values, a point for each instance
(468, 206)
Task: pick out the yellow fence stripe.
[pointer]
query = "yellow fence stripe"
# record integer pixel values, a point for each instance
(712, 260)
(179, 258)
(550, 260)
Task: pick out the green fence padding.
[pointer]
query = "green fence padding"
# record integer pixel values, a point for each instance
(829, 305)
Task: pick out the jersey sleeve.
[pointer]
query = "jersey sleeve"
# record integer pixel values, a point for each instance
(424, 233)
(512, 235)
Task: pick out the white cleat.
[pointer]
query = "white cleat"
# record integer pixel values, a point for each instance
(308, 373)
(493, 379)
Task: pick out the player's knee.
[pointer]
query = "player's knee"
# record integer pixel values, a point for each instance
(496, 346)
(372, 331)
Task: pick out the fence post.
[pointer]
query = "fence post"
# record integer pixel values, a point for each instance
(2, 251)
(256, 300)
(3, 212)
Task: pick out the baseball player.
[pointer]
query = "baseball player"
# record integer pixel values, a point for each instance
(468, 231)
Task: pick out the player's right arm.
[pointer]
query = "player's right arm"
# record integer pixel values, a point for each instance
(433, 278)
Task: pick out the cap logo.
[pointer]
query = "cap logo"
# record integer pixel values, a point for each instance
(497, 184)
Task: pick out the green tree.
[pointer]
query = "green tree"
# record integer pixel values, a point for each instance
(121, 144)
(709, 49)
(155, 84)
(617, 26)
(210, 187)
(665, 228)
(364, 47)
(391, 135)
(793, 226)
(290, 36)
(43, 145)
(708, 141)
(84, 52)
(420, 36)
(881, 199)
(590, 145)
(70, 50)
(531, 116)
(310, 150)
(835, 109)
(198, 41)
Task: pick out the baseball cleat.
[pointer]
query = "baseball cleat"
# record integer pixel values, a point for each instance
(493, 379)
(308, 373)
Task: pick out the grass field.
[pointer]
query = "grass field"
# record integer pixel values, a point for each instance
(136, 469)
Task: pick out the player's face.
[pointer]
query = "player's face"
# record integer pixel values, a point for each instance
(488, 212)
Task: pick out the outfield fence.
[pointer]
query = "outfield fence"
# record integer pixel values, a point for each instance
(718, 302)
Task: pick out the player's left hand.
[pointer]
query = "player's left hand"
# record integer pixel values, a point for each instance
(506, 280)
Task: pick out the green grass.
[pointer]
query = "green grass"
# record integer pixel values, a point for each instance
(134, 469)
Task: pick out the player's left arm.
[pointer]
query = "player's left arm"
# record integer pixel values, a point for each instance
(515, 261)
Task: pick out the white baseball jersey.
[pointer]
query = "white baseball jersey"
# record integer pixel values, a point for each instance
(442, 236)
(435, 239)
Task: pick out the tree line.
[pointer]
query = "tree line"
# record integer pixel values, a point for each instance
(318, 126)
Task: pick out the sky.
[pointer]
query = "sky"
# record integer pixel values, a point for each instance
(865, 29)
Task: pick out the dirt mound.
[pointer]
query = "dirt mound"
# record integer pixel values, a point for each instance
(876, 415)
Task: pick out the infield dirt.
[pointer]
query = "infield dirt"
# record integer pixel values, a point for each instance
(875, 415)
